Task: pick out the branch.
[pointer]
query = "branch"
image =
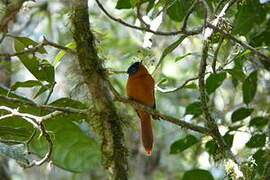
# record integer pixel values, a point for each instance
(216, 21)
(191, 9)
(231, 37)
(37, 47)
(114, 152)
(10, 13)
(43, 107)
(137, 105)
(176, 88)
(140, 16)
(192, 32)
(209, 119)
(216, 54)
(37, 122)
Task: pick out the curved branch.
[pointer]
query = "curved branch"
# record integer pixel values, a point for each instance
(183, 31)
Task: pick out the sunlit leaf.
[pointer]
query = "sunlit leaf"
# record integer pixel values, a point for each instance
(62, 53)
(190, 86)
(182, 57)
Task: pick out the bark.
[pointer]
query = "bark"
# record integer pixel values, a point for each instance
(106, 122)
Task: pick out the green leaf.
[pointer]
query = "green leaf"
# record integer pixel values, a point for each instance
(162, 81)
(256, 141)
(190, 86)
(194, 108)
(178, 9)
(182, 57)
(67, 102)
(41, 69)
(235, 127)
(171, 47)
(72, 150)
(214, 81)
(249, 87)
(261, 158)
(228, 138)
(42, 89)
(249, 14)
(199, 174)
(183, 144)
(62, 53)
(7, 132)
(259, 121)
(27, 43)
(123, 4)
(25, 84)
(241, 114)
(236, 73)
(211, 147)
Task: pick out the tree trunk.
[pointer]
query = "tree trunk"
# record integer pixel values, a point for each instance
(106, 121)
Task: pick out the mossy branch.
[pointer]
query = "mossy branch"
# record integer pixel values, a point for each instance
(107, 122)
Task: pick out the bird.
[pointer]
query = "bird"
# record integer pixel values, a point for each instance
(140, 87)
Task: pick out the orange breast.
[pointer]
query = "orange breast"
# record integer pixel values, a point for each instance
(141, 89)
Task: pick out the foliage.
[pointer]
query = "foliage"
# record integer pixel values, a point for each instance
(237, 91)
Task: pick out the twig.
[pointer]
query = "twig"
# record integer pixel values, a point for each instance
(3, 37)
(44, 107)
(58, 46)
(111, 72)
(216, 54)
(139, 15)
(50, 93)
(176, 88)
(37, 47)
(191, 9)
(150, 110)
(11, 11)
(29, 50)
(219, 5)
(192, 32)
(229, 36)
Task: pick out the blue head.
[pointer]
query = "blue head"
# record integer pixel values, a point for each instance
(133, 68)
